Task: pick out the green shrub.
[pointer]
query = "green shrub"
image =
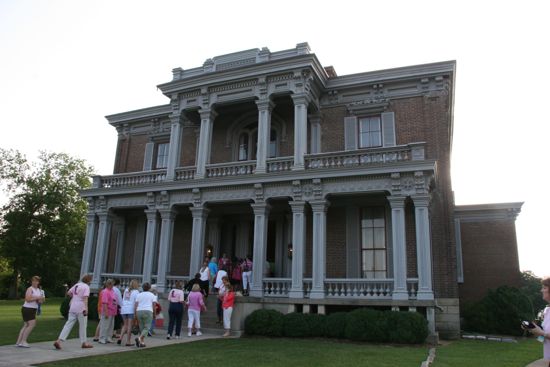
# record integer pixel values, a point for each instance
(367, 325)
(336, 325)
(500, 312)
(92, 308)
(264, 322)
(406, 327)
(317, 324)
(296, 325)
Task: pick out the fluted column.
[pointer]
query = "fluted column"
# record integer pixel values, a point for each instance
(199, 213)
(91, 224)
(298, 248)
(300, 130)
(423, 247)
(319, 209)
(261, 216)
(165, 246)
(175, 147)
(205, 141)
(264, 131)
(103, 237)
(397, 204)
(150, 244)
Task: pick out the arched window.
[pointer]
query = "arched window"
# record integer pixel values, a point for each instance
(247, 143)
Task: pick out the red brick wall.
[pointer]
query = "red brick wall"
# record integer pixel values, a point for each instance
(410, 238)
(332, 128)
(181, 245)
(136, 154)
(489, 257)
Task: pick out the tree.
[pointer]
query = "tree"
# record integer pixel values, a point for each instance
(42, 227)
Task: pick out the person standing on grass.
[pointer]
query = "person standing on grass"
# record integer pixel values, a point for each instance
(175, 310)
(33, 297)
(127, 311)
(228, 301)
(143, 309)
(544, 332)
(78, 311)
(109, 308)
(195, 304)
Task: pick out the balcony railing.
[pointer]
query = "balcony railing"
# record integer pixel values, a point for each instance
(349, 159)
(276, 287)
(359, 288)
(125, 279)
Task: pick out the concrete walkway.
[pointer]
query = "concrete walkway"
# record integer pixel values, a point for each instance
(539, 363)
(45, 352)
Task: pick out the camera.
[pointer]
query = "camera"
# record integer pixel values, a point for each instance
(527, 325)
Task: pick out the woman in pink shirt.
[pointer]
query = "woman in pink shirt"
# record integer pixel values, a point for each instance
(544, 332)
(109, 305)
(195, 304)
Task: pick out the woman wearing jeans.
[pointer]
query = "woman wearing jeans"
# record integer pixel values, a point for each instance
(175, 310)
(143, 309)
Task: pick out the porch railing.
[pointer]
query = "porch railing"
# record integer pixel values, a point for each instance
(412, 287)
(359, 288)
(307, 284)
(280, 164)
(276, 287)
(125, 279)
(172, 279)
(231, 169)
(185, 173)
(129, 179)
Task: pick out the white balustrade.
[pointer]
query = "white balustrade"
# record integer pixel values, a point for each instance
(131, 179)
(230, 169)
(172, 279)
(185, 173)
(280, 164)
(412, 287)
(307, 284)
(125, 279)
(276, 287)
(359, 288)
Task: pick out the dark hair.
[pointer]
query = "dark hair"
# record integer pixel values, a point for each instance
(87, 278)
(116, 281)
(198, 276)
(146, 286)
(546, 282)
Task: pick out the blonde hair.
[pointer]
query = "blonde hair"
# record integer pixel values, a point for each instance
(196, 288)
(87, 278)
(36, 277)
(134, 284)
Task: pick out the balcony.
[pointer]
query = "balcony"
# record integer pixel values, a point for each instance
(362, 158)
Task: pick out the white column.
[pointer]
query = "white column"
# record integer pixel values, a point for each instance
(397, 204)
(205, 141)
(280, 250)
(88, 244)
(319, 209)
(165, 247)
(103, 236)
(150, 244)
(423, 247)
(214, 235)
(315, 129)
(120, 231)
(300, 130)
(175, 147)
(264, 131)
(261, 216)
(298, 248)
(200, 213)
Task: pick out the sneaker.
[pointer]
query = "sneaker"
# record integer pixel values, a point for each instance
(167, 337)
(137, 342)
(177, 336)
(102, 342)
(199, 333)
(57, 345)
(24, 345)
(189, 334)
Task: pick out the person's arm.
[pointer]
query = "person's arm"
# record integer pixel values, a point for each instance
(85, 299)
(28, 295)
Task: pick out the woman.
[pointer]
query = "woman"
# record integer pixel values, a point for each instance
(143, 309)
(175, 309)
(195, 304)
(236, 274)
(205, 278)
(109, 309)
(127, 311)
(213, 266)
(228, 301)
(544, 332)
(247, 274)
(78, 311)
(33, 297)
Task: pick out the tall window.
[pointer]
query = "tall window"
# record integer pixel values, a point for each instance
(272, 144)
(248, 143)
(243, 146)
(370, 133)
(162, 155)
(373, 242)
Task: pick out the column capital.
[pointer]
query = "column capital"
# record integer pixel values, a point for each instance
(265, 104)
(300, 98)
(90, 216)
(422, 200)
(168, 213)
(175, 118)
(396, 202)
(262, 208)
(151, 214)
(208, 113)
(199, 211)
(104, 216)
(297, 206)
(319, 205)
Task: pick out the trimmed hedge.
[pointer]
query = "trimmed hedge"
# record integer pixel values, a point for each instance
(92, 308)
(358, 325)
(264, 322)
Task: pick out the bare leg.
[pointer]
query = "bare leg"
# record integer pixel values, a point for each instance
(22, 332)
(27, 331)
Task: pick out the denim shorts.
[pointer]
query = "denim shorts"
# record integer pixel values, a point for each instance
(127, 316)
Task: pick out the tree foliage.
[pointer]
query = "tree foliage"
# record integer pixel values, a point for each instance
(43, 224)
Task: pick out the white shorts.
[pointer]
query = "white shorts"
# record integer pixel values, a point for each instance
(194, 317)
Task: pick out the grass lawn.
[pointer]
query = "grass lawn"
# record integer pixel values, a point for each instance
(476, 353)
(48, 325)
(262, 352)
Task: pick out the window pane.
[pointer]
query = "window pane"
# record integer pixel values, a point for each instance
(367, 235)
(243, 147)
(368, 261)
(380, 260)
(379, 237)
(162, 155)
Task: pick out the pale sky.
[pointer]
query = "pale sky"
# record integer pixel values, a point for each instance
(64, 65)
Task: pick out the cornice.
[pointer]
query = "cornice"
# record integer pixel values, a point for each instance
(143, 113)
(485, 212)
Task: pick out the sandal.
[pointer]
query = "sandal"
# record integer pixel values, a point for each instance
(129, 344)
(86, 346)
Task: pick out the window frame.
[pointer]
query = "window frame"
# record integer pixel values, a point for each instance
(360, 131)
(375, 272)
(157, 154)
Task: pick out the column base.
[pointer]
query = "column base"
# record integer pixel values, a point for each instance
(321, 310)
(260, 170)
(298, 167)
(317, 294)
(425, 296)
(256, 293)
(297, 293)
(400, 296)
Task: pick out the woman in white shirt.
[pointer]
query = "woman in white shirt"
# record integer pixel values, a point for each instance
(33, 297)
(175, 310)
(143, 309)
(205, 279)
(127, 311)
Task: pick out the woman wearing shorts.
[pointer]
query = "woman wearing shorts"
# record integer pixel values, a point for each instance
(33, 297)
(127, 311)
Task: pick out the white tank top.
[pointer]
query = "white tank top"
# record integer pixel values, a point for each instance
(35, 292)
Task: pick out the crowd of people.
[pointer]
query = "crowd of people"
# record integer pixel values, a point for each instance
(133, 309)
